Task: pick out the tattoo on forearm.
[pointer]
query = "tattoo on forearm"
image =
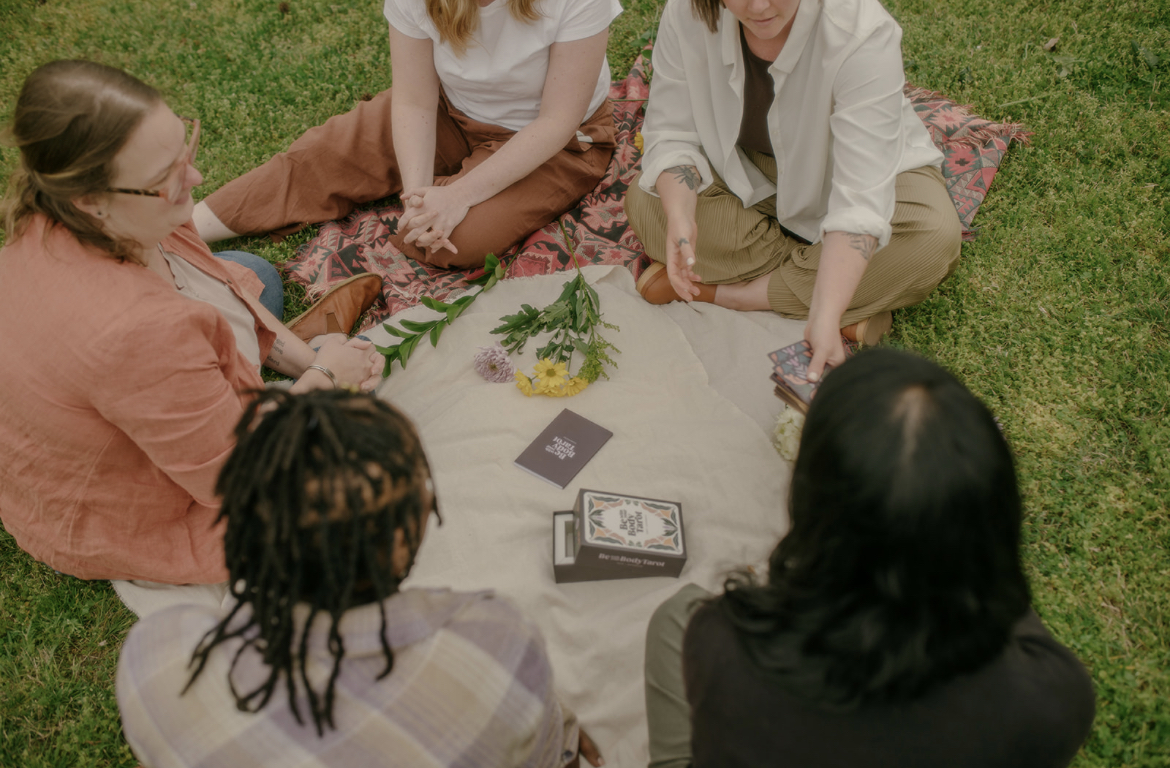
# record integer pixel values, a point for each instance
(863, 244)
(687, 174)
(683, 241)
(275, 354)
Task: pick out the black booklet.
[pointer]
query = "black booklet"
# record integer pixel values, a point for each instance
(563, 448)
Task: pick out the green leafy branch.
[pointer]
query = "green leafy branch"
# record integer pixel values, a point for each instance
(573, 320)
(412, 332)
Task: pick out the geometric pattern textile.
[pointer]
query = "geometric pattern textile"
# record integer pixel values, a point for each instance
(972, 148)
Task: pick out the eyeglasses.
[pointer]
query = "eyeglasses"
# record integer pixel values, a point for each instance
(172, 187)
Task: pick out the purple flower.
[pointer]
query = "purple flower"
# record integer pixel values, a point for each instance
(493, 364)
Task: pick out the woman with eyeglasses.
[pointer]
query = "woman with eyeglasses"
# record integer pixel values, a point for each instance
(129, 349)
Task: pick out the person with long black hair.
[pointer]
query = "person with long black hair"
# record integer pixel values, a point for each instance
(323, 659)
(894, 627)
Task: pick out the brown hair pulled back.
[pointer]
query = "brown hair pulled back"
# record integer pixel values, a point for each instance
(708, 11)
(71, 120)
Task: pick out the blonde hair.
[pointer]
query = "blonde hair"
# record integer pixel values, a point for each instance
(71, 120)
(457, 20)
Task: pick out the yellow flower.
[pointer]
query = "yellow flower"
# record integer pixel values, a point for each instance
(523, 383)
(573, 386)
(550, 374)
(638, 140)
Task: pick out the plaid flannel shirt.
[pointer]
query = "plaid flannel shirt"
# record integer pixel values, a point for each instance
(471, 686)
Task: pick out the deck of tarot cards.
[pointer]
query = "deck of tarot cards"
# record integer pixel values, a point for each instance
(614, 536)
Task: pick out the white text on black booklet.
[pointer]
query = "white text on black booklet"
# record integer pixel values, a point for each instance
(563, 448)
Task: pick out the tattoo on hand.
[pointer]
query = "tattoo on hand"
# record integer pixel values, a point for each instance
(687, 174)
(275, 354)
(683, 241)
(866, 245)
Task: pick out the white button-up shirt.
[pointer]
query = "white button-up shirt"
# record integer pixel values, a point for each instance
(841, 128)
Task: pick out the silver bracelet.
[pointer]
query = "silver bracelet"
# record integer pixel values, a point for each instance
(325, 371)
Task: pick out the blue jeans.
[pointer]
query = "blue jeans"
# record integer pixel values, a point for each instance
(272, 298)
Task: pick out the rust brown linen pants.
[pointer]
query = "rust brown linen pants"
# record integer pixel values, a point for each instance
(737, 243)
(350, 160)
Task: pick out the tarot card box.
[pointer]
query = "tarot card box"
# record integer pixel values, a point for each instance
(614, 536)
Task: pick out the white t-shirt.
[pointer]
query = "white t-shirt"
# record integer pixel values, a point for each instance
(500, 76)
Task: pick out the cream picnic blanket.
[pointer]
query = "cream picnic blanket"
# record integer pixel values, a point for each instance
(691, 410)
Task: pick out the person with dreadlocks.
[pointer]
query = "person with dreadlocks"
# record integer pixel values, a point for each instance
(323, 659)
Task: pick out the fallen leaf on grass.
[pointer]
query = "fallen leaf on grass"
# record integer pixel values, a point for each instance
(1065, 62)
(1051, 44)
(1145, 54)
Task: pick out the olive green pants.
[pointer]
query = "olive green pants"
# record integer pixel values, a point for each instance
(737, 243)
(668, 715)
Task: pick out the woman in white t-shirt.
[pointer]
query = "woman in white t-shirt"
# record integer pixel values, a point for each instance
(497, 123)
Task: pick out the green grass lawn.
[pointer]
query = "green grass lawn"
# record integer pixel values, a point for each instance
(1057, 316)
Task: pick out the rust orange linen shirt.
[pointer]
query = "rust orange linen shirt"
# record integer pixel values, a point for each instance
(118, 396)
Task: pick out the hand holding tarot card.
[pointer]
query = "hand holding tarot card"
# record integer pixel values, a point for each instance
(791, 374)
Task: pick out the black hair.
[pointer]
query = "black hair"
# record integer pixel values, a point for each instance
(314, 494)
(902, 566)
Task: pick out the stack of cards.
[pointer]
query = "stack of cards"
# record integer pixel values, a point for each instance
(790, 372)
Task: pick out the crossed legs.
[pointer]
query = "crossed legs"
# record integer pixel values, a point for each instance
(350, 160)
(757, 266)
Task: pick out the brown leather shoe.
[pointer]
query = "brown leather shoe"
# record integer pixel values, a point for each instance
(869, 331)
(339, 308)
(655, 287)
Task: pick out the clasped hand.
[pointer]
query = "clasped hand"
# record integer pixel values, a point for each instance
(354, 362)
(430, 216)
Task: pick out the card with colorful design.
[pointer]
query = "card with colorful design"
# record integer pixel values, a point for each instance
(790, 372)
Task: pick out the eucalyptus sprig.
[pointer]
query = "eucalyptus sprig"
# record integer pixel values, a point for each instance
(573, 320)
(412, 332)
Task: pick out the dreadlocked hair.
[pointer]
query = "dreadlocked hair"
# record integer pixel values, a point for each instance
(314, 494)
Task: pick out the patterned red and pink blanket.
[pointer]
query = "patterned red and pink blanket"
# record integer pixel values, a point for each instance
(972, 147)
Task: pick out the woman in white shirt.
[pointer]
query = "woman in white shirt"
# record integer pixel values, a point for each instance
(498, 122)
(784, 169)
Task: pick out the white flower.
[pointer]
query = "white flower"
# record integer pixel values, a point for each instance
(494, 365)
(786, 435)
